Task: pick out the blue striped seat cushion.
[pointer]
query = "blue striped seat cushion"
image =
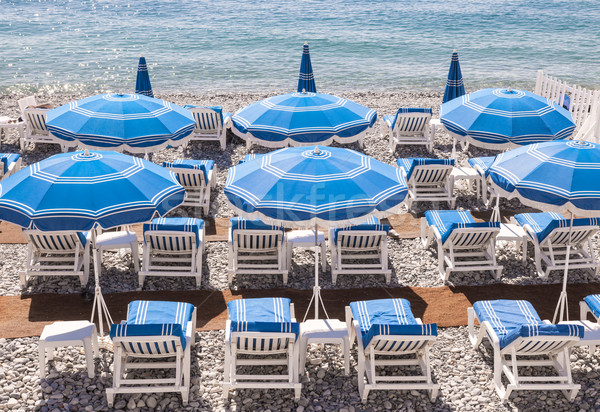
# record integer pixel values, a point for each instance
(176, 224)
(250, 224)
(388, 317)
(543, 223)
(512, 319)
(447, 220)
(59, 244)
(391, 120)
(8, 159)
(262, 315)
(155, 318)
(371, 224)
(216, 109)
(483, 162)
(204, 165)
(251, 156)
(593, 301)
(409, 163)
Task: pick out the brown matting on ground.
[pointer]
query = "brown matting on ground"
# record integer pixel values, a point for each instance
(26, 315)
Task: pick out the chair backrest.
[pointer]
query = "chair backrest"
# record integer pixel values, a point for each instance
(431, 174)
(540, 345)
(26, 101)
(395, 344)
(577, 235)
(158, 340)
(411, 124)
(262, 342)
(207, 120)
(36, 121)
(170, 241)
(471, 237)
(53, 241)
(254, 239)
(189, 178)
(360, 239)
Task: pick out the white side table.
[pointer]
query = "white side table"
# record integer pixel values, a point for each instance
(120, 239)
(511, 232)
(591, 335)
(470, 175)
(324, 331)
(306, 239)
(4, 126)
(73, 333)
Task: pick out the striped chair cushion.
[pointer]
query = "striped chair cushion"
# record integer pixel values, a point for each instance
(511, 319)
(176, 224)
(251, 156)
(371, 224)
(483, 162)
(391, 120)
(544, 223)
(409, 163)
(152, 329)
(8, 159)
(250, 224)
(59, 241)
(204, 165)
(262, 315)
(593, 301)
(387, 317)
(216, 109)
(447, 220)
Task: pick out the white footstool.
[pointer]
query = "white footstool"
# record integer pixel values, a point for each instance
(324, 331)
(73, 333)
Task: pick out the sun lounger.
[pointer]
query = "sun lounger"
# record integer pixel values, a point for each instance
(410, 126)
(389, 335)
(197, 177)
(36, 130)
(515, 330)
(428, 180)
(211, 124)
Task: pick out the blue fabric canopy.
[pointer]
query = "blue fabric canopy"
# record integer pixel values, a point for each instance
(142, 82)
(300, 119)
(454, 85)
(132, 122)
(503, 118)
(306, 80)
(78, 191)
(301, 187)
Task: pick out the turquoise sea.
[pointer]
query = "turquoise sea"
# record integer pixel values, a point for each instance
(229, 45)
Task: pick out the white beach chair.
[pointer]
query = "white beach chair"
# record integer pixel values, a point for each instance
(26, 102)
(428, 180)
(9, 164)
(261, 333)
(256, 248)
(211, 124)
(549, 233)
(173, 246)
(360, 250)
(463, 244)
(517, 334)
(389, 335)
(410, 126)
(56, 254)
(197, 177)
(35, 129)
(481, 166)
(156, 335)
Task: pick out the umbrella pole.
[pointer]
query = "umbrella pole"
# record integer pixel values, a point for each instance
(316, 297)
(99, 302)
(563, 306)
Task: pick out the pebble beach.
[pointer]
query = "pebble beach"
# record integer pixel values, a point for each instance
(464, 374)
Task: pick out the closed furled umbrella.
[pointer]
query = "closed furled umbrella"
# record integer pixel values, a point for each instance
(306, 80)
(454, 86)
(142, 82)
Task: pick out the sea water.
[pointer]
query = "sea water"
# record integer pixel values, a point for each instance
(237, 45)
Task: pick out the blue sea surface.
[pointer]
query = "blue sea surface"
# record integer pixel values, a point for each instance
(234, 45)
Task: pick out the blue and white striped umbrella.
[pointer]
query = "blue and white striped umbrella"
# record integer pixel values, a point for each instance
(302, 187)
(133, 122)
(142, 82)
(454, 86)
(504, 118)
(306, 79)
(81, 190)
(301, 119)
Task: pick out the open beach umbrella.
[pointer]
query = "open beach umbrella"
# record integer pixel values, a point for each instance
(454, 86)
(142, 82)
(301, 119)
(560, 176)
(306, 79)
(316, 186)
(80, 191)
(132, 122)
(504, 118)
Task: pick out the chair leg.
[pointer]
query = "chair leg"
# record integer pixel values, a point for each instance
(135, 256)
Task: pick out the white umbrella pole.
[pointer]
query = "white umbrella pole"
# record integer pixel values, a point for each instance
(563, 306)
(316, 297)
(99, 302)
(496, 211)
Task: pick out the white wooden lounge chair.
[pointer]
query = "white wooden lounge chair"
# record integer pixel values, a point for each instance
(26, 102)
(197, 177)
(9, 164)
(156, 335)
(35, 129)
(463, 245)
(56, 254)
(211, 124)
(173, 246)
(389, 335)
(549, 233)
(261, 333)
(256, 248)
(360, 250)
(516, 334)
(428, 180)
(410, 126)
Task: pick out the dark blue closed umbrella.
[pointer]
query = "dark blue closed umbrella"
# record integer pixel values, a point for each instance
(454, 85)
(142, 83)
(306, 80)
